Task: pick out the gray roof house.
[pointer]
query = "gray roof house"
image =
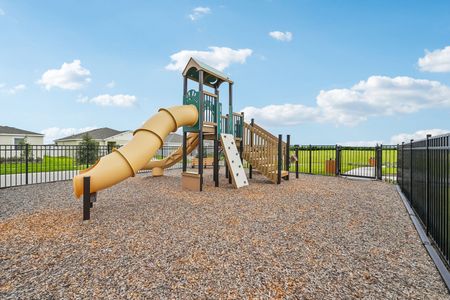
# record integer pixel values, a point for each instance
(14, 136)
(104, 136)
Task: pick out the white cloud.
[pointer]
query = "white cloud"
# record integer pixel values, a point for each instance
(111, 84)
(281, 36)
(418, 135)
(218, 57)
(2, 12)
(110, 100)
(283, 114)
(71, 76)
(435, 61)
(199, 12)
(12, 90)
(376, 96)
(54, 133)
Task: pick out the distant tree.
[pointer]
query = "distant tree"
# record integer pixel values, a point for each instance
(24, 153)
(88, 151)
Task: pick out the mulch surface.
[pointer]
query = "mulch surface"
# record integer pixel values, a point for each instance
(312, 237)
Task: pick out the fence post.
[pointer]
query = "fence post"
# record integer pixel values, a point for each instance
(403, 164)
(296, 161)
(288, 152)
(86, 198)
(26, 162)
(250, 168)
(310, 159)
(379, 162)
(411, 172)
(87, 156)
(338, 160)
(280, 158)
(427, 182)
(398, 169)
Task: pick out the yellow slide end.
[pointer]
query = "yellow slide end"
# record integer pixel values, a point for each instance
(132, 157)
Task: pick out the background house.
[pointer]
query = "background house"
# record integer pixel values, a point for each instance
(173, 140)
(16, 136)
(104, 136)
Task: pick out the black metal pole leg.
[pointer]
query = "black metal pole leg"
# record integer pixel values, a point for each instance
(86, 198)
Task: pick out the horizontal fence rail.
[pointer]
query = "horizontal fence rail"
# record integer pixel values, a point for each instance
(31, 164)
(379, 162)
(423, 177)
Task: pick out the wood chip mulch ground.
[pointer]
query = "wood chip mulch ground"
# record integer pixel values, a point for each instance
(314, 238)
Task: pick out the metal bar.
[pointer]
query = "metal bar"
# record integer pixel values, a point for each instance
(310, 159)
(296, 161)
(427, 185)
(250, 168)
(338, 161)
(288, 150)
(26, 162)
(216, 158)
(403, 166)
(184, 151)
(411, 172)
(200, 130)
(86, 198)
(280, 158)
(230, 107)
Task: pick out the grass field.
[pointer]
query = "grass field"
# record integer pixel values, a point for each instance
(48, 164)
(350, 159)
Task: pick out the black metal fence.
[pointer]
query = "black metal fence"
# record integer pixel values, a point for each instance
(31, 164)
(379, 162)
(423, 176)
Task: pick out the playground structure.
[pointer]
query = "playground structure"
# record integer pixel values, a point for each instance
(201, 118)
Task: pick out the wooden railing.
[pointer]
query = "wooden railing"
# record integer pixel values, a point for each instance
(261, 151)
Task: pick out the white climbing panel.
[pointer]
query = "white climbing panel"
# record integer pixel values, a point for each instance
(233, 161)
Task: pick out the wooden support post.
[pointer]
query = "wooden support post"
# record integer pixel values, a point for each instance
(280, 158)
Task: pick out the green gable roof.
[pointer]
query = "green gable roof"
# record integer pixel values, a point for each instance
(212, 77)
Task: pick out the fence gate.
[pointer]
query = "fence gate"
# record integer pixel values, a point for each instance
(359, 161)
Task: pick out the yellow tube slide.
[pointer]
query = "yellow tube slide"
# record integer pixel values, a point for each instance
(132, 157)
(158, 166)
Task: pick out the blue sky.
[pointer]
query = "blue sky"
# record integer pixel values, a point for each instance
(324, 71)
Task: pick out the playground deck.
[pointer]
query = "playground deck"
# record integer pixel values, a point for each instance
(316, 237)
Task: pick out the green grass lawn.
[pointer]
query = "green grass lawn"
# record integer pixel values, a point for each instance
(48, 164)
(350, 159)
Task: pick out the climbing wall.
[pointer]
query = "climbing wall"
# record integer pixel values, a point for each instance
(233, 161)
